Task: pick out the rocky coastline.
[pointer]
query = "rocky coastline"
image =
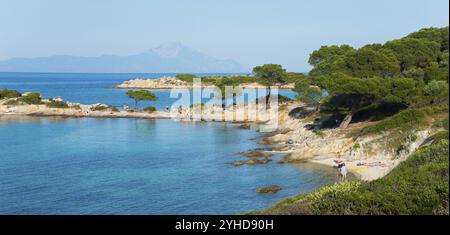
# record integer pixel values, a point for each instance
(174, 83)
(368, 157)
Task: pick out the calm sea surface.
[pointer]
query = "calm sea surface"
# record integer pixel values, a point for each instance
(131, 166)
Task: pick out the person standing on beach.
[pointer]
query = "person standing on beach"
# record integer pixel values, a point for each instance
(341, 167)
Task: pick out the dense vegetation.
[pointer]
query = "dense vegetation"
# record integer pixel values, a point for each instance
(411, 72)
(403, 86)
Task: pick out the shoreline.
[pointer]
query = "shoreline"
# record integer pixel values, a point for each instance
(277, 138)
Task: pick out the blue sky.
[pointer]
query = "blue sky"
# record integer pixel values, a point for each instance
(249, 31)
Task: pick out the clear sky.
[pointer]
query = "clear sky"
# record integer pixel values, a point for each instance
(251, 32)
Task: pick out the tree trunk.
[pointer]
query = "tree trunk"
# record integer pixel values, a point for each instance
(135, 104)
(268, 98)
(223, 103)
(317, 109)
(346, 121)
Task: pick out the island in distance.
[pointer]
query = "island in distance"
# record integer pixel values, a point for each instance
(167, 58)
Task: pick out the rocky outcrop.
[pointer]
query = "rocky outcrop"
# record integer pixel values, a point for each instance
(160, 83)
(174, 83)
(302, 144)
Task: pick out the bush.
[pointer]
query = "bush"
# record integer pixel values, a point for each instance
(150, 109)
(114, 109)
(186, 77)
(31, 98)
(57, 104)
(99, 108)
(76, 106)
(7, 94)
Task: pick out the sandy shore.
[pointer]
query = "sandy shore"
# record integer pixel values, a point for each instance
(365, 173)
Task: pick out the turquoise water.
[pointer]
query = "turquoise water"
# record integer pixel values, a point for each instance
(132, 166)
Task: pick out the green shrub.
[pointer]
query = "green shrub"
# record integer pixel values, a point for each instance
(57, 104)
(99, 108)
(114, 109)
(7, 94)
(76, 106)
(31, 98)
(186, 77)
(150, 109)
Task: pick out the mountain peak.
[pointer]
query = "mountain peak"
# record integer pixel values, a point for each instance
(169, 49)
(171, 57)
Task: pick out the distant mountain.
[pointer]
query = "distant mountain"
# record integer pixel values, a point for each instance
(167, 58)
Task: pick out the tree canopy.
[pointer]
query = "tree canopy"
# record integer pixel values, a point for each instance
(270, 74)
(308, 93)
(411, 71)
(141, 95)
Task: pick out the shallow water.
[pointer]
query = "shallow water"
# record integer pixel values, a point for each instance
(133, 166)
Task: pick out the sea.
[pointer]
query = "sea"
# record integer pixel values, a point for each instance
(60, 166)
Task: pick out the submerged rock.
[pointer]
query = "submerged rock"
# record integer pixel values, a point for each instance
(245, 127)
(269, 189)
(255, 154)
(238, 163)
(254, 161)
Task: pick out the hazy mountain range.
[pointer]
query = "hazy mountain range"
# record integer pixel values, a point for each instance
(167, 58)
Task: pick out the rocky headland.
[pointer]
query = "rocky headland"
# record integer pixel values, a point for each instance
(175, 83)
